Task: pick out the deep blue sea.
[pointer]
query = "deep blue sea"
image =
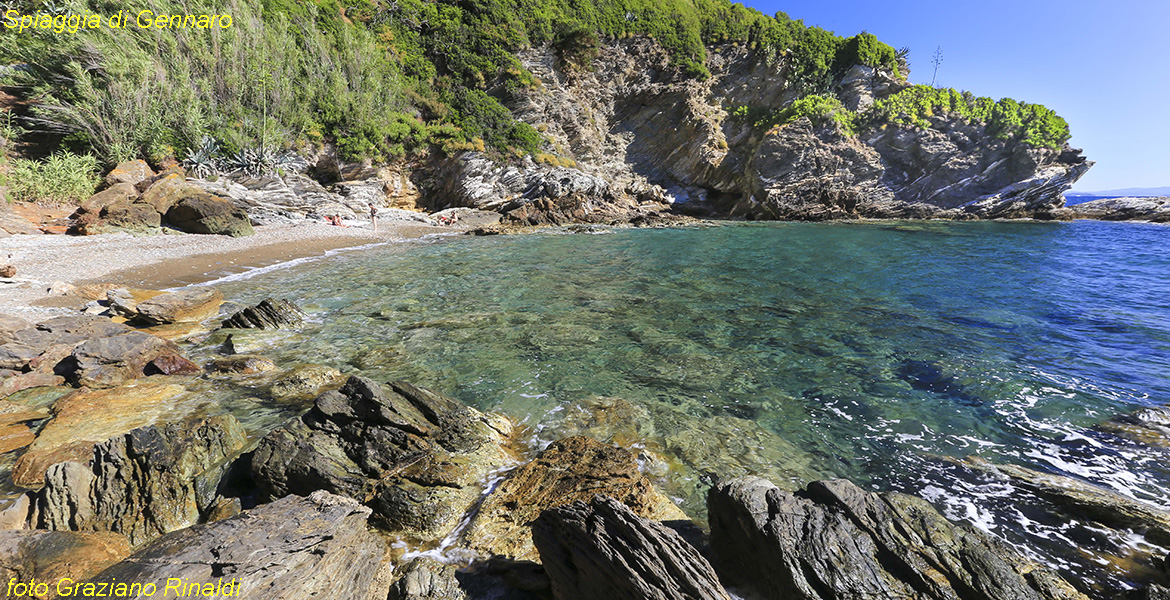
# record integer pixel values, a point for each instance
(878, 351)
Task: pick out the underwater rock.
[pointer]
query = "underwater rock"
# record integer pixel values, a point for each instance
(601, 549)
(571, 469)
(417, 458)
(304, 381)
(242, 364)
(296, 547)
(834, 541)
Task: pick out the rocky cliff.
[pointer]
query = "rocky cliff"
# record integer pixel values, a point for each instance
(631, 136)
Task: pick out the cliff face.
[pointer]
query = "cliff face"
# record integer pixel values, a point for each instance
(631, 137)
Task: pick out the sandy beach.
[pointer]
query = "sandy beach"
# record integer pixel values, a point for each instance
(163, 261)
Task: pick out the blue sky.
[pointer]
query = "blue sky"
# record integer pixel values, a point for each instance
(1102, 65)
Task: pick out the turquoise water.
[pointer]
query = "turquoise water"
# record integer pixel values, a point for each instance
(870, 351)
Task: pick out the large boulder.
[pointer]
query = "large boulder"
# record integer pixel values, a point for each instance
(601, 549)
(268, 314)
(26, 345)
(189, 305)
(427, 579)
(835, 541)
(166, 192)
(110, 361)
(131, 172)
(415, 457)
(569, 470)
(135, 217)
(150, 481)
(47, 557)
(296, 547)
(84, 418)
(200, 212)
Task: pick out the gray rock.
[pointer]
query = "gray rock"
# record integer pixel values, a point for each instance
(268, 314)
(290, 549)
(836, 541)
(1156, 210)
(415, 457)
(189, 305)
(201, 212)
(148, 482)
(25, 345)
(427, 579)
(603, 550)
(109, 361)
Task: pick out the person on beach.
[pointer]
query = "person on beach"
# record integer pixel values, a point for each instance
(374, 216)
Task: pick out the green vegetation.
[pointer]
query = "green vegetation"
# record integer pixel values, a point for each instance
(819, 109)
(63, 178)
(1032, 124)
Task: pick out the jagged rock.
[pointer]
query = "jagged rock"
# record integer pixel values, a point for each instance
(427, 579)
(28, 344)
(109, 361)
(836, 541)
(415, 457)
(50, 556)
(1156, 210)
(242, 364)
(295, 547)
(131, 172)
(603, 550)
(304, 381)
(1150, 426)
(1150, 592)
(575, 468)
(171, 364)
(1101, 505)
(86, 219)
(86, 417)
(201, 212)
(14, 433)
(189, 305)
(124, 301)
(268, 314)
(150, 481)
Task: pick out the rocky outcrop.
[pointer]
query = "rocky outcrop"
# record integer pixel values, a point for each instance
(427, 579)
(46, 557)
(296, 547)
(418, 459)
(205, 213)
(304, 382)
(1155, 210)
(569, 470)
(28, 344)
(836, 541)
(189, 305)
(110, 361)
(601, 549)
(268, 314)
(150, 481)
(84, 418)
(129, 172)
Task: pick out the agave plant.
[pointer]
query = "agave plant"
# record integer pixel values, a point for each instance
(203, 160)
(260, 162)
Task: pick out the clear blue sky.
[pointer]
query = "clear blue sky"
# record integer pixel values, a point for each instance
(1103, 65)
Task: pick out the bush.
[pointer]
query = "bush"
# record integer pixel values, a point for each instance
(818, 109)
(63, 178)
(1007, 119)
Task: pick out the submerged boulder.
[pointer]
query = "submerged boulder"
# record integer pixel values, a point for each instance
(296, 547)
(601, 549)
(569, 470)
(417, 458)
(835, 541)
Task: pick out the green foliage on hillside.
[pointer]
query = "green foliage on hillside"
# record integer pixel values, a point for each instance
(818, 109)
(1006, 119)
(63, 178)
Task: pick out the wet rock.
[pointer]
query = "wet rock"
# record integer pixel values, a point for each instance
(1104, 506)
(571, 469)
(601, 549)
(242, 364)
(16, 383)
(268, 314)
(86, 417)
(150, 481)
(14, 431)
(49, 556)
(1150, 426)
(110, 361)
(427, 579)
(835, 541)
(295, 547)
(190, 305)
(201, 212)
(131, 171)
(171, 365)
(304, 381)
(417, 458)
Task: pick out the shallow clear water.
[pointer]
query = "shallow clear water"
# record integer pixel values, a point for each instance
(866, 351)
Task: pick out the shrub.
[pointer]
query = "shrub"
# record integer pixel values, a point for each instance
(64, 178)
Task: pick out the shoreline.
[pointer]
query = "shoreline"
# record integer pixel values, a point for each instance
(171, 261)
